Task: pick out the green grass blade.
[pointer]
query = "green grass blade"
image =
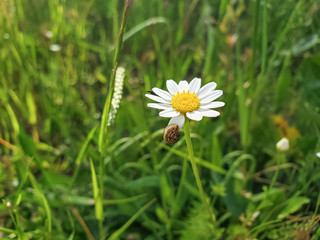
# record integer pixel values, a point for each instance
(105, 114)
(199, 161)
(254, 43)
(117, 233)
(96, 194)
(7, 230)
(143, 25)
(81, 154)
(264, 36)
(31, 108)
(71, 237)
(44, 202)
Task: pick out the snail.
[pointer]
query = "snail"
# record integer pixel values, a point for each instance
(171, 133)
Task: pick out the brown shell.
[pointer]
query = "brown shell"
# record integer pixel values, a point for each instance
(171, 133)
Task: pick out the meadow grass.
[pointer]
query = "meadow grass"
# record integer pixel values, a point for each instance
(66, 174)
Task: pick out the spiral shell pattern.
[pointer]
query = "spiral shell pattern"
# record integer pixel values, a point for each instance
(171, 133)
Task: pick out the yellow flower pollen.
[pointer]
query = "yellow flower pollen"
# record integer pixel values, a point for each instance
(185, 102)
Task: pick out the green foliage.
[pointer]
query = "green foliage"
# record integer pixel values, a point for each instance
(197, 225)
(66, 177)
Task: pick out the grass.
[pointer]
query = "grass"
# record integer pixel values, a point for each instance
(70, 176)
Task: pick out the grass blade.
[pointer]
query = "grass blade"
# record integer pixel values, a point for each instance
(105, 114)
(81, 154)
(82, 223)
(96, 195)
(117, 233)
(44, 202)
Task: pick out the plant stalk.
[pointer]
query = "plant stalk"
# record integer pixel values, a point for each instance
(103, 132)
(195, 169)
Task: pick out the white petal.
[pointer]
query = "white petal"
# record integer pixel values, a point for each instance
(211, 96)
(159, 105)
(161, 93)
(212, 105)
(195, 115)
(179, 120)
(169, 113)
(207, 88)
(208, 112)
(183, 86)
(156, 98)
(195, 85)
(172, 87)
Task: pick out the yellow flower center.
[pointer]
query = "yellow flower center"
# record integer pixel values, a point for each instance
(185, 102)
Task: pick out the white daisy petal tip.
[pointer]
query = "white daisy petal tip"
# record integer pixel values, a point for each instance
(168, 113)
(207, 88)
(183, 86)
(195, 115)
(157, 98)
(318, 154)
(178, 120)
(209, 112)
(195, 85)
(159, 106)
(212, 105)
(162, 93)
(210, 96)
(172, 87)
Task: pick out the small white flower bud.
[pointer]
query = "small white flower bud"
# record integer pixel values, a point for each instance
(8, 204)
(55, 47)
(283, 145)
(48, 34)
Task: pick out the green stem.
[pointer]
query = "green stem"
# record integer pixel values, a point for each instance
(7, 230)
(106, 109)
(279, 157)
(101, 170)
(195, 169)
(181, 186)
(118, 232)
(103, 132)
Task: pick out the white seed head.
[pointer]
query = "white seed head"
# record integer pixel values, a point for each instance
(318, 154)
(117, 94)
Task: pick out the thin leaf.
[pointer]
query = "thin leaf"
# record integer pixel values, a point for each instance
(96, 195)
(292, 205)
(117, 233)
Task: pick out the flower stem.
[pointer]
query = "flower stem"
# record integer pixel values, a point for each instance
(279, 157)
(103, 132)
(195, 169)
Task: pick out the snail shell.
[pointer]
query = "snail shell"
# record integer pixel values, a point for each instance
(171, 133)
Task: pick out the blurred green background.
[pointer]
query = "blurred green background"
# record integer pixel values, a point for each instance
(56, 61)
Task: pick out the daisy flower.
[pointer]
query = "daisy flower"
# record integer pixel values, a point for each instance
(186, 100)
